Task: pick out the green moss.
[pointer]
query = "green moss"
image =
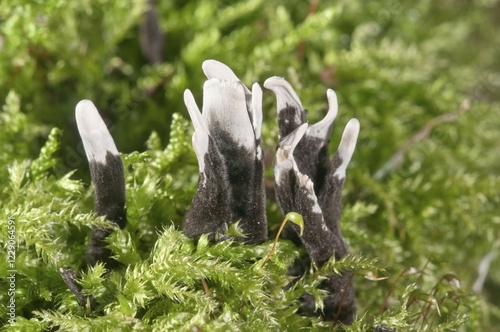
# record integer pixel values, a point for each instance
(415, 228)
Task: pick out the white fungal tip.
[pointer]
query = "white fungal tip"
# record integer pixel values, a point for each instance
(285, 94)
(347, 146)
(322, 128)
(217, 69)
(200, 145)
(225, 109)
(194, 111)
(292, 139)
(256, 109)
(96, 138)
(333, 104)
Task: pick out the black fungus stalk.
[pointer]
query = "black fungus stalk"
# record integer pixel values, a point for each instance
(212, 184)
(308, 183)
(107, 173)
(70, 279)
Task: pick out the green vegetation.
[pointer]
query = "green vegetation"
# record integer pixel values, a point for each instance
(421, 202)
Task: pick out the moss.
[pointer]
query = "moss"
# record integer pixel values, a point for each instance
(414, 231)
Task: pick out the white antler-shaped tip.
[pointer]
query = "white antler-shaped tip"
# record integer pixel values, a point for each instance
(217, 69)
(225, 109)
(96, 138)
(347, 146)
(285, 94)
(322, 128)
(200, 141)
(256, 109)
(333, 105)
(194, 111)
(289, 142)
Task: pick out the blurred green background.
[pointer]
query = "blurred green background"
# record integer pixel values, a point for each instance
(422, 77)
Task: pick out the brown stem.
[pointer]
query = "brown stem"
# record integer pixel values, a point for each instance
(268, 257)
(423, 133)
(205, 287)
(70, 278)
(384, 304)
(346, 288)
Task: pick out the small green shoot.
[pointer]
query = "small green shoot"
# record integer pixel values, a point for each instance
(235, 231)
(293, 217)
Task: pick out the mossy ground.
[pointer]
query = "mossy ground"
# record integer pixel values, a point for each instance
(423, 222)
